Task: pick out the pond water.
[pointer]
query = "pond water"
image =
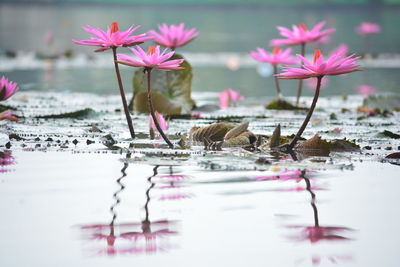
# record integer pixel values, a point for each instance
(66, 201)
(72, 196)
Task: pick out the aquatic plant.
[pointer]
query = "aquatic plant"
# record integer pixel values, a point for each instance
(112, 39)
(301, 35)
(8, 115)
(229, 96)
(366, 90)
(319, 67)
(367, 29)
(153, 59)
(7, 88)
(173, 36)
(277, 57)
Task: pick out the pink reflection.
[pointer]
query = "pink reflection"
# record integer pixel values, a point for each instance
(6, 158)
(316, 234)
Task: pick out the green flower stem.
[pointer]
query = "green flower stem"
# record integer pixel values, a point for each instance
(122, 93)
(278, 87)
(300, 86)
(153, 115)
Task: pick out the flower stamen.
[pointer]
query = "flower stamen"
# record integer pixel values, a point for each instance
(114, 27)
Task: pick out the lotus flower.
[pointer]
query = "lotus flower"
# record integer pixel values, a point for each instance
(341, 50)
(366, 90)
(113, 38)
(368, 28)
(278, 56)
(334, 65)
(301, 35)
(229, 96)
(7, 88)
(8, 115)
(173, 36)
(153, 59)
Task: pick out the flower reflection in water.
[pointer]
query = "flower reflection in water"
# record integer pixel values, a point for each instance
(6, 159)
(131, 238)
(317, 233)
(172, 181)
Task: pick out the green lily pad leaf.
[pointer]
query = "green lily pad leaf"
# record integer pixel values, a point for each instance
(174, 85)
(281, 104)
(79, 114)
(390, 134)
(161, 104)
(5, 107)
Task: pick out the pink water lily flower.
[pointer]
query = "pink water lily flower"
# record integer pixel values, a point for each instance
(173, 36)
(161, 120)
(278, 56)
(319, 67)
(113, 37)
(229, 96)
(153, 59)
(366, 90)
(367, 28)
(341, 50)
(7, 88)
(301, 34)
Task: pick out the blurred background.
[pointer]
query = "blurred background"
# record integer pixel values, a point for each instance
(229, 29)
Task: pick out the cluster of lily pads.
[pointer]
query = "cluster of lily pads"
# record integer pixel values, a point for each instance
(175, 36)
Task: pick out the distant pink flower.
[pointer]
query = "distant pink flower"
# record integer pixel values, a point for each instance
(278, 56)
(113, 38)
(312, 82)
(336, 130)
(301, 35)
(7, 88)
(341, 50)
(367, 28)
(173, 36)
(8, 115)
(323, 40)
(161, 120)
(49, 38)
(366, 90)
(229, 96)
(334, 65)
(153, 59)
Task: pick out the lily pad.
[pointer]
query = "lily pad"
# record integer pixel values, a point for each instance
(174, 86)
(79, 114)
(280, 104)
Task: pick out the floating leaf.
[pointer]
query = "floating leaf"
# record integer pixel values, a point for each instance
(79, 114)
(215, 132)
(276, 137)
(390, 134)
(237, 130)
(174, 85)
(314, 143)
(281, 104)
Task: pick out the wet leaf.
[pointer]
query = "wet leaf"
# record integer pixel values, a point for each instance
(160, 103)
(79, 114)
(314, 143)
(390, 134)
(174, 85)
(241, 140)
(344, 145)
(236, 131)
(276, 137)
(281, 104)
(215, 132)
(5, 108)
